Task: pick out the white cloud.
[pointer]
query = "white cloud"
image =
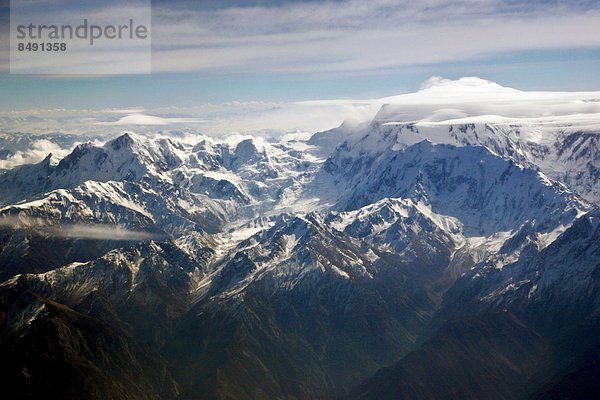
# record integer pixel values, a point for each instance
(144, 119)
(36, 153)
(444, 100)
(474, 100)
(101, 232)
(131, 110)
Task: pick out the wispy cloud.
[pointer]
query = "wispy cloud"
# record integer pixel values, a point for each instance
(356, 35)
(77, 231)
(316, 37)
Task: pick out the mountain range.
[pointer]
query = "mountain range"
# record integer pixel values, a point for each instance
(444, 255)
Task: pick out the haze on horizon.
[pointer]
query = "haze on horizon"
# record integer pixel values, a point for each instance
(439, 101)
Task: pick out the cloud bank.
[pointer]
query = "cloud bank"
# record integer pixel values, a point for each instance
(38, 150)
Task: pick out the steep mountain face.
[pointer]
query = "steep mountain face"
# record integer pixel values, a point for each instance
(531, 332)
(490, 357)
(124, 158)
(51, 231)
(161, 187)
(485, 204)
(564, 153)
(219, 173)
(512, 203)
(486, 193)
(413, 260)
(532, 286)
(401, 227)
(142, 281)
(67, 326)
(267, 321)
(66, 354)
(538, 278)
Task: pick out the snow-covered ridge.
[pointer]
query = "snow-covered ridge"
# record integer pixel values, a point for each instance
(486, 192)
(425, 189)
(555, 132)
(230, 180)
(562, 152)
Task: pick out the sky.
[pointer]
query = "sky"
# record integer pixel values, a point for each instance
(280, 51)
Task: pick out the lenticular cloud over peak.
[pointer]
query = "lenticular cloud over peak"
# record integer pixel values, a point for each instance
(481, 100)
(469, 83)
(471, 100)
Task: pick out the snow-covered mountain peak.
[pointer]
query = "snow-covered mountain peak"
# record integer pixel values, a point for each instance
(246, 148)
(47, 160)
(126, 140)
(484, 191)
(565, 149)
